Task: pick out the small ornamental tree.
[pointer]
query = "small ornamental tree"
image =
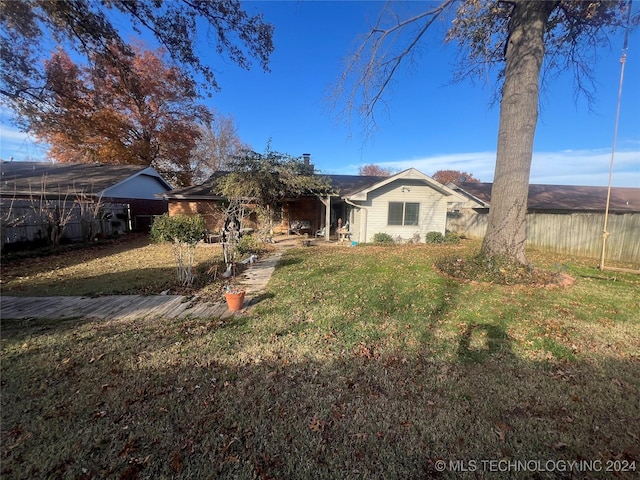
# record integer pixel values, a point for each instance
(266, 179)
(184, 232)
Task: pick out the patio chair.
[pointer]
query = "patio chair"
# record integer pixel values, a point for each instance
(321, 232)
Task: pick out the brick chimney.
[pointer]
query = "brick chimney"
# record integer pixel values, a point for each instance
(306, 157)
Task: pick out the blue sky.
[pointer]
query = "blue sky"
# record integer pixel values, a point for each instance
(429, 122)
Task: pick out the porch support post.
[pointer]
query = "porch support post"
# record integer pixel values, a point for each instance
(327, 220)
(326, 201)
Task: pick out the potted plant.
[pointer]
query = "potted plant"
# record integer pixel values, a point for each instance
(234, 295)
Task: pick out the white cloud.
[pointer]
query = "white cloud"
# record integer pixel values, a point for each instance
(565, 167)
(19, 145)
(480, 164)
(9, 134)
(587, 167)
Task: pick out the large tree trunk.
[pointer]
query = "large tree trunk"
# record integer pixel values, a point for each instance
(506, 231)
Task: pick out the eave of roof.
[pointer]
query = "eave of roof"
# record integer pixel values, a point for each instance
(409, 174)
(26, 178)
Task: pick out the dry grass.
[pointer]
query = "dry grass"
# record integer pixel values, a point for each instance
(131, 265)
(361, 363)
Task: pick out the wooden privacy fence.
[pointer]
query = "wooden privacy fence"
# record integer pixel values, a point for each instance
(571, 233)
(25, 222)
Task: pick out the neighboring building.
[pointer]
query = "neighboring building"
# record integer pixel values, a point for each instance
(561, 218)
(404, 204)
(133, 188)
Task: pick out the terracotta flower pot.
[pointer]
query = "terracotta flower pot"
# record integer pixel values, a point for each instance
(235, 300)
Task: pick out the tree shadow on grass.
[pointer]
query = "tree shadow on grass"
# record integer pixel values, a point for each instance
(479, 342)
(160, 400)
(136, 281)
(288, 260)
(72, 254)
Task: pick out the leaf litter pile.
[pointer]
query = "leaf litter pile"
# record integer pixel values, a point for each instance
(359, 363)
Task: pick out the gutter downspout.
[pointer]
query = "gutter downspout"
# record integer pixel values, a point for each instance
(363, 220)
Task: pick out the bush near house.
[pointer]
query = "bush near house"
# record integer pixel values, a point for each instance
(183, 232)
(451, 238)
(382, 238)
(434, 237)
(250, 245)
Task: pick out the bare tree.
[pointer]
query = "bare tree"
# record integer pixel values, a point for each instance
(374, 171)
(216, 148)
(10, 217)
(372, 66)
(90, 208)
(52, 211)
(519, 37)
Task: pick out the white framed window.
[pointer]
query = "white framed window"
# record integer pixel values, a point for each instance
(403, 213)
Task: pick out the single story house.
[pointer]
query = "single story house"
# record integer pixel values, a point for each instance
(401, 205)
(407, 205)
(561, 218)
(133, 188)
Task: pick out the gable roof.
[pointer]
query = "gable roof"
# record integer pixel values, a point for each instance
(565, 197)
(409, 174)
(25, 178)
(346, 186)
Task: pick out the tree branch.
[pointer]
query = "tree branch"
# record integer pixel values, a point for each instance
(371, 68)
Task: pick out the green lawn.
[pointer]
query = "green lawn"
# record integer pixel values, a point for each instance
(359, 363)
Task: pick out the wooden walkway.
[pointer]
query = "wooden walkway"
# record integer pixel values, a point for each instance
(129, 307)
(112, 307)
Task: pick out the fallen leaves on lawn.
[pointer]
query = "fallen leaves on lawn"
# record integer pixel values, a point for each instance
(317, 425)
(502, 429)
(176, 462)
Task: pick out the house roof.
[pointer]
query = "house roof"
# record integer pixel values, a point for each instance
(409, 174)
(346, 186)
(208, 190)
(25, 178)
(566, 197)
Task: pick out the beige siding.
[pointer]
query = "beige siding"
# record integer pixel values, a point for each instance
(356, 220)
(573, 234)
(433, 208)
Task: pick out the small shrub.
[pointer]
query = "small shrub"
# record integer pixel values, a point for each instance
(249, 244)
(183, 232)
(381, 237)
(451, 238)
(434, 237)
(189, 229)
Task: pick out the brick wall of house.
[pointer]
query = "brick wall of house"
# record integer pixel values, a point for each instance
(212, 215)
(304, 209)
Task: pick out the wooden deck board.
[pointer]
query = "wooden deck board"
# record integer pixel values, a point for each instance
(117, 307)
(137, 309)
(107, 307)
(203, 310)
(112, 307)
(167, 307)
